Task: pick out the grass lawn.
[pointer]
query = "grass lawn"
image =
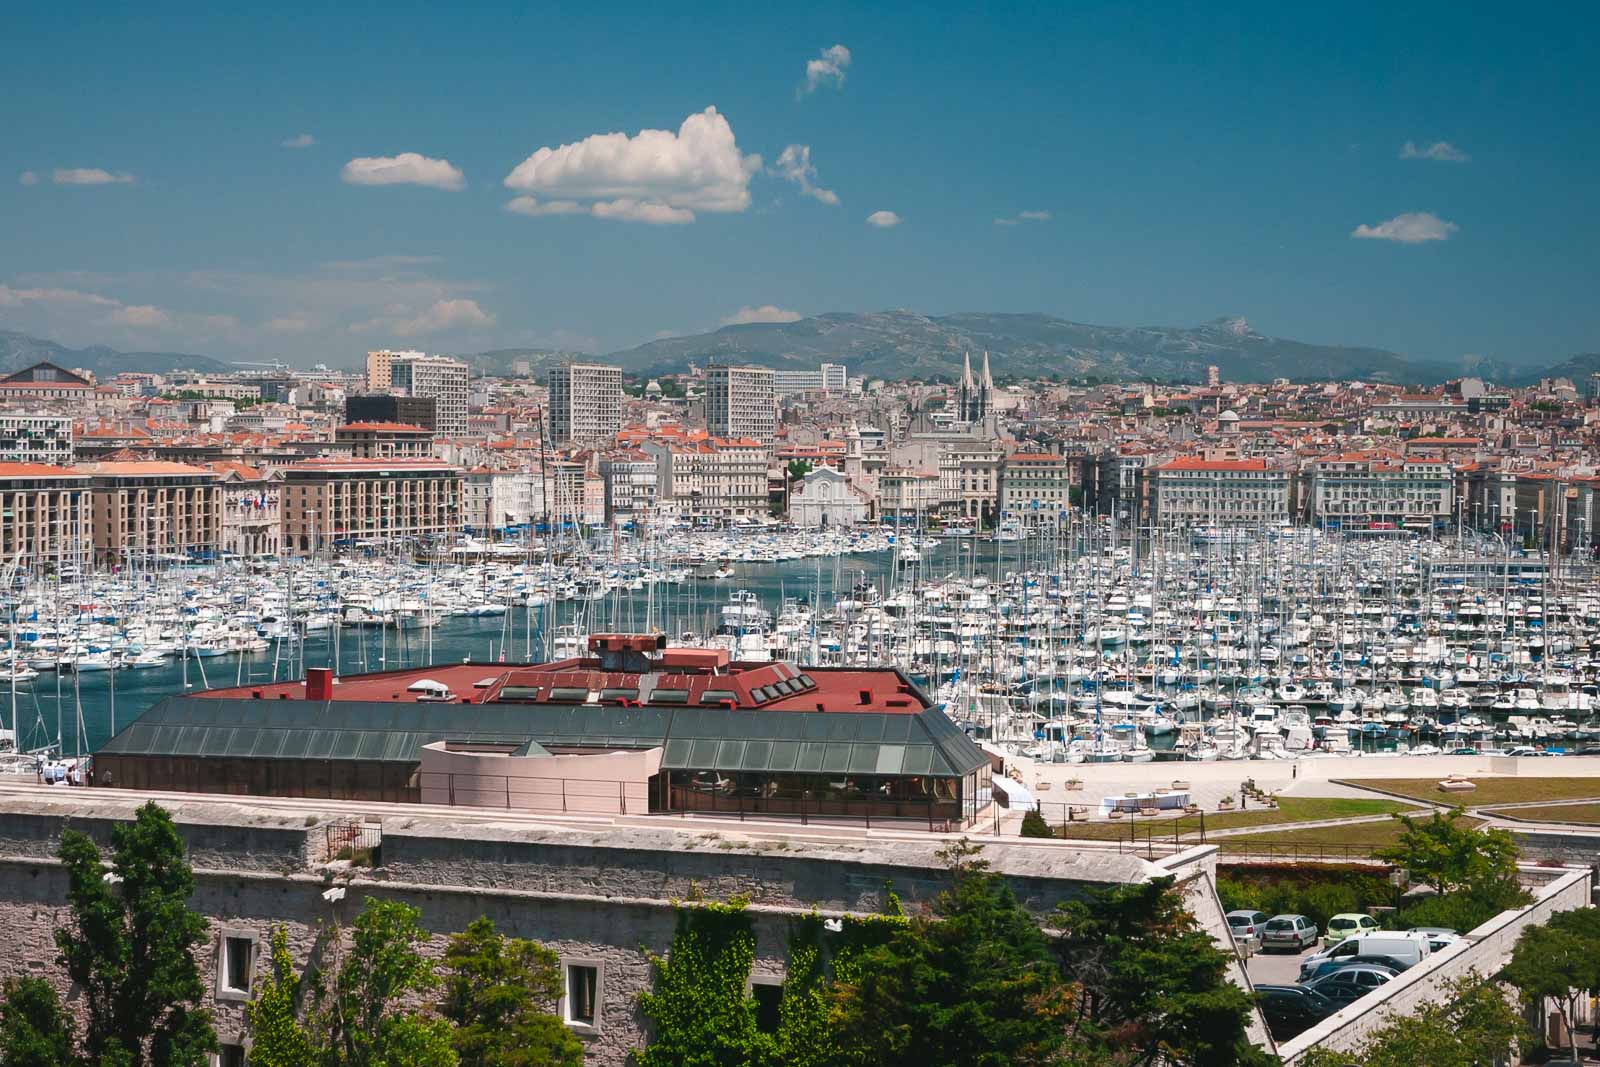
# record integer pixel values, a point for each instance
(1489, 791)
(1290, 810)
(1359, 839)
(1584, 814)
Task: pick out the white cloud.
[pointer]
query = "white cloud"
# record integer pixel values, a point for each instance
(1439, 151)
(289, 324)
(142, 315)
(655, 176)
(459, 314)
(765, 313)
(28, 177)
(408, 168)
(883, 219)
(299, 140)
(1023, 216)
(15, 298)
(827, 69)
(528, 205)
(646, 211)
(90, 176)
(1414, 227)
(662, 335)
(794, 164)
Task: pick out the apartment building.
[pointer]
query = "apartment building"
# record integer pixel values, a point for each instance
(907, 495)
(147, 509)
(630, 480)
(969, 477)
(835, 378)
(1202, 491)
(711, 481)
(28, 438)
(788, 383)
(380, 368)
(46, 515)
(1035, 488)
(585, 403)
(46, 381)
(386, 407)
(385, 440)
(740, 403)
(379, 502)
(1366, 488)
(440, 377)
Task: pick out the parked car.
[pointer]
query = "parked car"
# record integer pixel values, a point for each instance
(1348, 924)
(1293, 932)
(1349, 984)
(1438, 936)
(1412, 948)
(1290, 1009)
(1246, 927)
(1310, 972)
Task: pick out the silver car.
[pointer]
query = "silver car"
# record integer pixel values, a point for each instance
(1246, 927)
(1293, 932)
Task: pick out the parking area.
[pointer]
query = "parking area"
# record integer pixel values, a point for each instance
(1277, 967)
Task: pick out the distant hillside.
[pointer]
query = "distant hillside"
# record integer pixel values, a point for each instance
(515, 362)
(18, 350)
(1577, 368)
(904, 344)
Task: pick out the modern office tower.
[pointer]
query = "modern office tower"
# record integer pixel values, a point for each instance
(585, 403)
(442, 378)
(739, 402)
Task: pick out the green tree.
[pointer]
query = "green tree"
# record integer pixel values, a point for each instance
(498, 992)
(699, 1012)
(1473, 1026)
(130, 944)
(363, 1020)
(1559, 961)
(34, 1031)
(1440, 852)
(1033, 825)
(277, 1037)
(972, 984)
(797, 469)
(1154, 985)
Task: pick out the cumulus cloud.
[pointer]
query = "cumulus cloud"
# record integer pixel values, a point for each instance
(288, 324)
(528, 205)
(90, 176)
(1411, 228)
(655, 176)
(883, 219)
(299, 140)
(1439, 151)
(827, 69)
(28, 177)
(80, 306)
(143, 315)
(408, 168)
(1023, 216)
(765, 313)
(443, 315)
(794, 164)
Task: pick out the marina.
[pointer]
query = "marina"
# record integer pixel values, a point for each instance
(1079, 646)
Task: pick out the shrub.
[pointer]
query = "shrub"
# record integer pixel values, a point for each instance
(1034, 825)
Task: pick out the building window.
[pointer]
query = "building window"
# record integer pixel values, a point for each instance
(236, 957)
(580, 1004)
(767, 992)
(229, 1056)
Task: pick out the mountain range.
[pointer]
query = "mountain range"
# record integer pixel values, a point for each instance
(18, 350)
(905, 344)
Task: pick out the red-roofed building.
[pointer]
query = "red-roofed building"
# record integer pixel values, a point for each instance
(384, 502)
(1378, 488)
(711, 480)
(46, 381)
(1204, 491)
(44, 514)
(147, 509)
(385, 440)
(252, 509)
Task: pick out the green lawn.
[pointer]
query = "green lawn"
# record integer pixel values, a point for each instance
(1290, 810)
(1356, 840)
(1583, 814)
(1489, 791)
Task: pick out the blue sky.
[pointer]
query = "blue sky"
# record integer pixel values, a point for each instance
(1192, 162)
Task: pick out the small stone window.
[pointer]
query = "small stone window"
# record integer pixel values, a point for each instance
(236, 960)
(582, 989)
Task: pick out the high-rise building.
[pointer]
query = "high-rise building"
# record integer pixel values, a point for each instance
(380, 367)
(413, 410)
(585, 402)
(35, 439)
(835, 378)
(739, 402)
(442, 378)
(787, 383)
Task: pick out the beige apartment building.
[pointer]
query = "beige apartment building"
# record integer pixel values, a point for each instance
(380, 368)
(711, 481)
(381, 502)
(148, 509)
(44, 515)
(444, 379)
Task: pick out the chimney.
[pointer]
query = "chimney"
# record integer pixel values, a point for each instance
(319, 683)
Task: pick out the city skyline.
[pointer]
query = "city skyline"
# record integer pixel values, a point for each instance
(495, 179)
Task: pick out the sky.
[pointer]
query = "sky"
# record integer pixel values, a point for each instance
(308, 184)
